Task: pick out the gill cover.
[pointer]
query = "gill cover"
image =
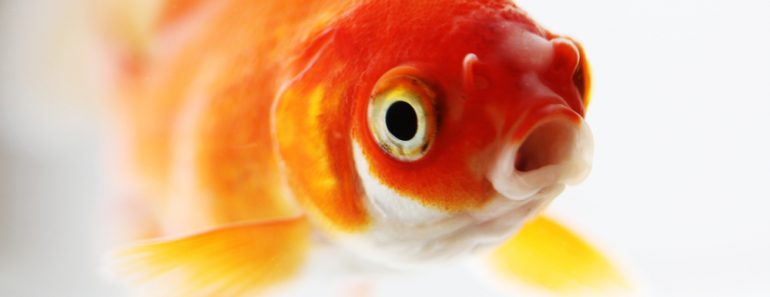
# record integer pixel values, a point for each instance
(311, 124)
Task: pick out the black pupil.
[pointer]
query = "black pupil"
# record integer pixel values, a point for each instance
(401, 120)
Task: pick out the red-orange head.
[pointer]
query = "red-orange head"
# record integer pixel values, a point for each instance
(427, 128)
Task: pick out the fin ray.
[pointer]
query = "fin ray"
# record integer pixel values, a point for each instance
(547, 256)
(227, 261)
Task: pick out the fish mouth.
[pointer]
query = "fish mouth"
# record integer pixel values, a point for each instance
(556, 150)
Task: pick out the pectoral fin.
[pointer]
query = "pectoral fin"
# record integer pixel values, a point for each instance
(229, 261)
(549, 257)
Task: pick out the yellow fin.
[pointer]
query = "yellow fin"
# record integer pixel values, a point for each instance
(229, 261)
(549, 257)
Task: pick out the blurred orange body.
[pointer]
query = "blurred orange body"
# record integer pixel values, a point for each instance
(198, 107)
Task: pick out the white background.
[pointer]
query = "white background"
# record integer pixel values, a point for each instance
(680, 113)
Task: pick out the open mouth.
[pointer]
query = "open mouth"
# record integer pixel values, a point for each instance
(556, 151)
(548, 144)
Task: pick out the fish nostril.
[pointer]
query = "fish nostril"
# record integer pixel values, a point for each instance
(549, 144)
(566, 55)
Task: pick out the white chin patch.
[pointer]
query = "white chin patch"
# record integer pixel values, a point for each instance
(405, 232)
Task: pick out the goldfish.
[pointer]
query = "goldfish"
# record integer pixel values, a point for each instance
(403, 133)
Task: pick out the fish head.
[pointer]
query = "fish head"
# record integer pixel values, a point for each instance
(432, 131)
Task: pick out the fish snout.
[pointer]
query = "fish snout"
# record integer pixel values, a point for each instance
(552, 147)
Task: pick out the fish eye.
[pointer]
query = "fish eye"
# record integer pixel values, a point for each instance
(401, 117)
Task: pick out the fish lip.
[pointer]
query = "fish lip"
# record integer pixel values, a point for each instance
(517, 184)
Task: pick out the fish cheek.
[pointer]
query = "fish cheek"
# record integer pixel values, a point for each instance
(308, 123)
